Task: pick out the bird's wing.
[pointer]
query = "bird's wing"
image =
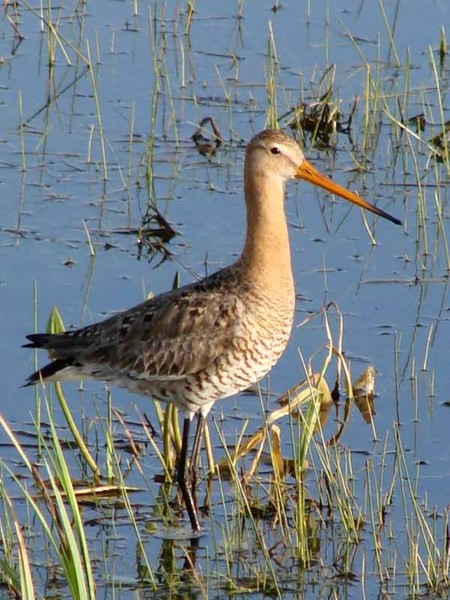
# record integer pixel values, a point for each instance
(168, 337)
(175, 336)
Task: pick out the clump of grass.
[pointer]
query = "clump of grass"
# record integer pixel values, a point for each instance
(61, 523)
(321, 118)
(271, 77)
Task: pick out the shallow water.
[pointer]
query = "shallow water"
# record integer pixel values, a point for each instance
(393, 295)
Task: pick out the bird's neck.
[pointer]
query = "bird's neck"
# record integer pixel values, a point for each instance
(266, 255)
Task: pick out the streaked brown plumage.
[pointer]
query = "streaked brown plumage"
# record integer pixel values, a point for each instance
(213, 338)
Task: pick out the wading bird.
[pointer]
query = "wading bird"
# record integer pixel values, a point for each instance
(215, 337)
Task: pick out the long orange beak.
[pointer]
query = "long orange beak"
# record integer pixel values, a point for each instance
(307, 172)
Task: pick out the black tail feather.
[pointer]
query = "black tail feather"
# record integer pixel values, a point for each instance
(49, 370)
(38, 340)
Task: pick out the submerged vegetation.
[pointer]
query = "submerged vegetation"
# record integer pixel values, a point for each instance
(304, 488)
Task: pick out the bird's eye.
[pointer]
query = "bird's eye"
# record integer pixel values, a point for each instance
(275, 150)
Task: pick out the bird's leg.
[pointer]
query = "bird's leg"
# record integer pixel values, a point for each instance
(184, 476)
(196, 448)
